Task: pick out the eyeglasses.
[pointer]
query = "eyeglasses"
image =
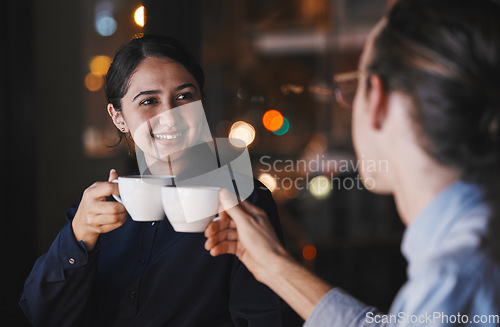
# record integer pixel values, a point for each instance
(344, 88)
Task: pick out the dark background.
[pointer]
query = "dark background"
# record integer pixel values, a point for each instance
(46, 111)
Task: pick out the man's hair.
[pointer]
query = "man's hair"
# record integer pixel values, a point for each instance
(445, 55)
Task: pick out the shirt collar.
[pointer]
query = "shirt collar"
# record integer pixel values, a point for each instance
(423, 235)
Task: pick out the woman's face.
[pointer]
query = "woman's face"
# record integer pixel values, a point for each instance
(149, 110)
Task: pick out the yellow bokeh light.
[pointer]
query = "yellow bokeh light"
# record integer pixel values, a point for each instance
(269, 181)
(320, 187)
(99, 65)
(139, 16)
(241, 134)
(93, 82)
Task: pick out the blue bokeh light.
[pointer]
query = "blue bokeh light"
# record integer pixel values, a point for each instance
(105, 25)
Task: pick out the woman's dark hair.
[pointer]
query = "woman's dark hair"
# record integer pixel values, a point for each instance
(445, 54)
(130, 55)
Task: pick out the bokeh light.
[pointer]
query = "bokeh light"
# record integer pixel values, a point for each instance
(290, 192)
(317, 145)
(99, 65)
(320, 187)
(105, 24)
(309, 252)
(93, 82)
(268, 180)
(241, 134)
(272, 120)
(139, 16)
(284, 127)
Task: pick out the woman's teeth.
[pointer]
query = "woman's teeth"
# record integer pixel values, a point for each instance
(168, 136)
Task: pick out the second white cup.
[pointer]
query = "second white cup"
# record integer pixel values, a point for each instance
(190, 208)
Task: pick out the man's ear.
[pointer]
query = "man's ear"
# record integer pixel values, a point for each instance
(377, 102)
(117, 118)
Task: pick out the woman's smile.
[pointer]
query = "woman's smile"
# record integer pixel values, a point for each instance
(169, 135)
(172, 141)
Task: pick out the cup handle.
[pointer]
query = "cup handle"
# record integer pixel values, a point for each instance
(117, 197)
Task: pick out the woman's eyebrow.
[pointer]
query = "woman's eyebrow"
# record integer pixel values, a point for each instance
(178, 88)
(185, 85)
(146, 93)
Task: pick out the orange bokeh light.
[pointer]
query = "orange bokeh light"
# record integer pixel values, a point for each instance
(272, 120)
(139, 16)
(93, 82)
(99, 65)
(309, 252)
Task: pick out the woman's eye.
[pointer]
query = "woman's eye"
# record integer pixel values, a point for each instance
(148, 101)
(185, 96)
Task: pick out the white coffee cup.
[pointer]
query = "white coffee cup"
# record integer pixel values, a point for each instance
(190, 208)
(141, 196)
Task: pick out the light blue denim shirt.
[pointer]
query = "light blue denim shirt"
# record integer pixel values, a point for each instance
(451, 279)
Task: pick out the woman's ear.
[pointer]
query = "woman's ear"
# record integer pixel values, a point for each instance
(117, 118)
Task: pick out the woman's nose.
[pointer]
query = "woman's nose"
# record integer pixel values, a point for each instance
(169, 116)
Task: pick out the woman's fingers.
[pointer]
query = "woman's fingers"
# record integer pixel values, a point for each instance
(109, 227)
(99, 212)
(108, 208)
(106, 219)
(101, 190)
(97, 222)
(95, 214)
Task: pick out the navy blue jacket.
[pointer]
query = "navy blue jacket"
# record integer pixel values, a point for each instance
(146, 274)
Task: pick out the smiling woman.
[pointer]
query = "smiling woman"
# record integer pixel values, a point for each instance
(146, 85)
(105, 269)
(160, 111)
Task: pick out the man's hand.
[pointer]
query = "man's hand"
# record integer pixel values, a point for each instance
(244, 230)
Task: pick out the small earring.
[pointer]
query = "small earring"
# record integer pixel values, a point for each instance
(123, 129)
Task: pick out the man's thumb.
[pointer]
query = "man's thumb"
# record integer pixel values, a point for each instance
(229, 204)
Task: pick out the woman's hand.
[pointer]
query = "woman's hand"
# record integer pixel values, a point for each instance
(95, 215)
(245, 230)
